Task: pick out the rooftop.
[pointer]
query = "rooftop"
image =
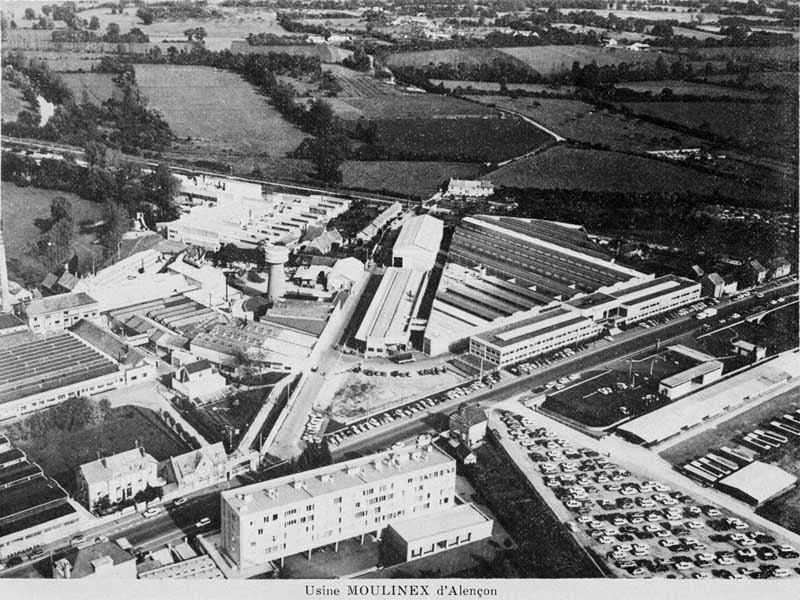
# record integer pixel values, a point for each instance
(440, 522)
(693, 372)
(759, 481)
(84, 560)
(200, 567)
(50, 304)
(393, 305)
(10, 321)
(540, 324)
(422, 231)
(106, 342)
(107, 468)
(333, 478)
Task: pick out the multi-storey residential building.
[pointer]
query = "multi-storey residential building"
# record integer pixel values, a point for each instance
(297, 513)
(531, 336)
(54, 313)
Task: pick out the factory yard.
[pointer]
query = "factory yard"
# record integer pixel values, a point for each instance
(638, 527)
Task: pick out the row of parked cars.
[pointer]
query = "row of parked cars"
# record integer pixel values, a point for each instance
(409, 410)
(645, 528)
(527, 367)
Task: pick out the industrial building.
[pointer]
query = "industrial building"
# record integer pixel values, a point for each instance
(531, 336)
(39, 373)
(555, 259)
(135, 365)
(757, 482)
(711, 401)
(686, 381)
(417, 246)
(390, 318)
(248, 222)
(372, 228)
(34, 510)
(273, 519)
(55, 313)
(204, 189)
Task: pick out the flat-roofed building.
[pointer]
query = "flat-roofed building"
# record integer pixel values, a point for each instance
(389, 320)
(117, 477)
(199, 567)
(417, 246)
(531, 336)
(757, 482)
(297, 513)
(54, 313)
(436, 532)
(39, 373)
(651, 298)
(689, 379)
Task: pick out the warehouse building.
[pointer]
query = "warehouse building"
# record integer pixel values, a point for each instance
(34, 510)
(686, 381)
(39, 373)
(390, 318)
(417, 246)
(277, 518)
(56, 313)
(757, 483)
(531, 336)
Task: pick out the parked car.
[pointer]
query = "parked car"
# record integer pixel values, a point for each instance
(151, 512)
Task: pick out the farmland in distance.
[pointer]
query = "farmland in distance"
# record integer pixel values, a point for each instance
(550, 59)
(420, 179)
(99, 87)
(13, 102)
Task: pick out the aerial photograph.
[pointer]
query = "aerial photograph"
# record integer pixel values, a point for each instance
(369, 296)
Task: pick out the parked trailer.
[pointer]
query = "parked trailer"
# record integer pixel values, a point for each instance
(772, 435)
(737, 456)
(756, 443)
(766, 440)
(785, 427)
(709, 466)
(792, 418)
(723, 461)
(704, 469)
(699, 474)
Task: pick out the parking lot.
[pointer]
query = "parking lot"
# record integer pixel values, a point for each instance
(641, 528)
(404, 412)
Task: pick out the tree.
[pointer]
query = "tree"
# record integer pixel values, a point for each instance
(116, 224)
(146, 15)
(94, 23)
(30, 14)
(195, 32)
(328, 153)
(163, 187)
(112, 30)
(662, 30)
(319, 118)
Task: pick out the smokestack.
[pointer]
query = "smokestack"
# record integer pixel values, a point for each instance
(5, 295)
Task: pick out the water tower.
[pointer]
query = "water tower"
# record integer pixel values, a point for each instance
(276, 257)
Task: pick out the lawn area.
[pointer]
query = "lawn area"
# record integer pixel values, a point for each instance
(12, 103)
(472, 139)
(420, 179)
(217, 109)
(546, 549)
(627, 396)
(729, 430)
(563, 167)
(21, 205)
(60, 452)
(359, 394)
(98, 86)
(576, 120)
(552, 59)
(765, 129)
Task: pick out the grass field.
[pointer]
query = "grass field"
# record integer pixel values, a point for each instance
(770, 54)
(786, 79)
(61, 452)
(21, 205)
(550, 59)
(689, 88)
(570, 168)
(359, 85)
(12, 102)
(583, 122)
(99, 87)
(419, 179)
(492, 86)
(67, 62)
(216, 108)
(673, 14)
(770, 130)
(462, 139)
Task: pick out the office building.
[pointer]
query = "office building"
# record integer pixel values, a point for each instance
(297, 513)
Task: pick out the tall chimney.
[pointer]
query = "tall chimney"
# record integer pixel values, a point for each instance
(5, 295)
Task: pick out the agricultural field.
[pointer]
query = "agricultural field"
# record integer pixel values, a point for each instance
(67, 62)
(12, 102)
(325, 53)
(216, 109)
(552, 59)
(462, 139)
(430, 106)
(98, 87)
(420, 179)
(696, 34)
(359, 85)
(689, 88)
(764, 129)
(562, 167)
(469, 56)
(787, 79)
(576, 120)
(675, 13)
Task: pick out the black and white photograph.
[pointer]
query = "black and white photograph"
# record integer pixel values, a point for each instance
(387, 298)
